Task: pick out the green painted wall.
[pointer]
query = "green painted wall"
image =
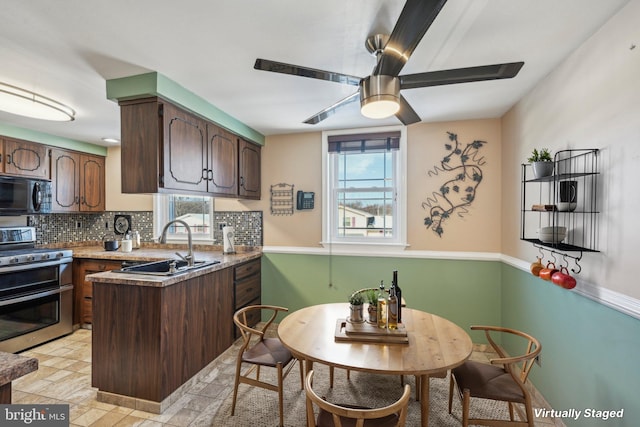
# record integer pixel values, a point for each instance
(589, 351)
(155, 84)
(56, 141)
(465, 292)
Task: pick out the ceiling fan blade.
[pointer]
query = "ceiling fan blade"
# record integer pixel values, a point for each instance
(407, 115)
(415, 19)
(461, 75)
(296, 70)
(317, 118)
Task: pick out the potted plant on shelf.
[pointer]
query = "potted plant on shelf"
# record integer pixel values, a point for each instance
(541, 162)
(356, 301)
(372, 309)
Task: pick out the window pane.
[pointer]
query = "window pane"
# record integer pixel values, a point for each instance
(365, 170)
(365, 189)
(193, 210)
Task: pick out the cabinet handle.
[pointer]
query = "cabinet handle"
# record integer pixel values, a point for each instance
(242, 181)
(0, 157)
(205, 174)
(82, 201)
(210, 175)
(8, 159)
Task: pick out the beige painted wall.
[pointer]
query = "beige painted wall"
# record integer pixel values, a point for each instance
(296, 159)
(291, 159)
(592, 100)
(115, 200)
(479, 228)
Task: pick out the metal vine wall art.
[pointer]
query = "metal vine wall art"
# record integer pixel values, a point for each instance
(462, 173)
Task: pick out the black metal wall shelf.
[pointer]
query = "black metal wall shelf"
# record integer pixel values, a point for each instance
(580, 168)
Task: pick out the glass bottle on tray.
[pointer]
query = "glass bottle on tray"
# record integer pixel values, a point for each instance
(382, 307)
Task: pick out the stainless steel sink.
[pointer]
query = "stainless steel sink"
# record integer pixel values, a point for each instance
(168, 267)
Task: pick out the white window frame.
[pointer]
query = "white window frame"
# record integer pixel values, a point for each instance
(161, 217)
(329, 213)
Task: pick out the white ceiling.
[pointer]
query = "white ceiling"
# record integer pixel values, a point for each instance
(67, 49)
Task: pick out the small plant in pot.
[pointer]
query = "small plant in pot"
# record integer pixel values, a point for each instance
(372, 300)
(541, 162)
(356, 301)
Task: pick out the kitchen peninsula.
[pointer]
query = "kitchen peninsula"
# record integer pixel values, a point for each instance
(152, 334)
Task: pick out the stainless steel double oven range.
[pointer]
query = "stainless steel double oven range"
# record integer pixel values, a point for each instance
(36, 291)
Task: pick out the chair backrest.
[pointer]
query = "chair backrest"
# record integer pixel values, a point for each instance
(517, 366)
(246, 315)
(399, 407)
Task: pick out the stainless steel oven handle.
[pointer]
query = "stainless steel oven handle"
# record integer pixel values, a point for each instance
(30, 266)
(60, 290)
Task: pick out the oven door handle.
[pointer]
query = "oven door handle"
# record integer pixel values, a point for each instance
(61, 289)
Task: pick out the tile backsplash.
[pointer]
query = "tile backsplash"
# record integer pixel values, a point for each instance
(76, 227)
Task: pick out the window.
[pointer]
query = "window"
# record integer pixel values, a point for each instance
(196, 211)
(363, 188)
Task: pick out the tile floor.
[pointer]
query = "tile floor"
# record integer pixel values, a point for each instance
(64, 376)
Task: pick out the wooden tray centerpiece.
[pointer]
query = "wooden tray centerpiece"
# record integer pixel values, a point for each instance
(368, 332)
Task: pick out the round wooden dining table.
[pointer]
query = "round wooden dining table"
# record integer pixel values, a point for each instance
(434, 345)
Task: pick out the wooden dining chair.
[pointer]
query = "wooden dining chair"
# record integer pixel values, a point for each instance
(258, 350)
(334, 415)
(503, 379)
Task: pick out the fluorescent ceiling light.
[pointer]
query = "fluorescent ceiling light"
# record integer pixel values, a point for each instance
(111, 140)
(23, 102)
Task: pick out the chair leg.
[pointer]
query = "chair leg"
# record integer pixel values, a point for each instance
(529, 411)
(466, 398)
(510, 410)
(235, 387)
(418, 385)
(280, 395)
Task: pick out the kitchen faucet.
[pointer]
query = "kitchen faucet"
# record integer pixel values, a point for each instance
(163, 239)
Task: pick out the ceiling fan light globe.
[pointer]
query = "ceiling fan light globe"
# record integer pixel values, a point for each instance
(380, 108)
(379, 96)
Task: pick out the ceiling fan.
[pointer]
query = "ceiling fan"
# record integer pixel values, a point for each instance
(379, 93)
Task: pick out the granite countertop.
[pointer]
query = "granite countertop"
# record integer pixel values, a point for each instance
(14, 366)
(155, 252)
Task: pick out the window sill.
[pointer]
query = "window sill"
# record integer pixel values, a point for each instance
(355, 248)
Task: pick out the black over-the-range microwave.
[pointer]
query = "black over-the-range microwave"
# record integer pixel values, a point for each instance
(21, 196)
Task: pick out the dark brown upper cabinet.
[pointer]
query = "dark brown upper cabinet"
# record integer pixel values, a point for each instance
(166, 149)
(77, 181)
(222, 160)
(24, 158)
(249, 161)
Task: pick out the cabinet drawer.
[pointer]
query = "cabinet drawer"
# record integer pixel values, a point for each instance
(247, 269)
(98, 265)
(247, 290)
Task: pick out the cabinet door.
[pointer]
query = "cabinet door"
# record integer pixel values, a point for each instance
(249, 163)
(92, 177)
(26, 158)
(65, 180)
(223, 161)
(185, 151)
(83, 289)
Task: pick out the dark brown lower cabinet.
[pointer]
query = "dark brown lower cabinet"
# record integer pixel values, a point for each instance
(247, 289)
(148, 341)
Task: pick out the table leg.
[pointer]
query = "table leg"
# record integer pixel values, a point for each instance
(424, 400)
